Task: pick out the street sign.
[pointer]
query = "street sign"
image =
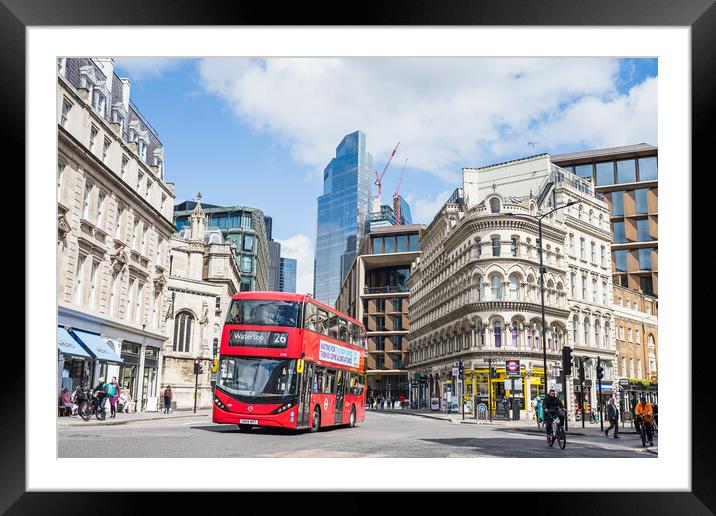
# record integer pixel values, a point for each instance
(454, 371)
(517, 387)
(623, 381)
(512, 367)
(557, 386)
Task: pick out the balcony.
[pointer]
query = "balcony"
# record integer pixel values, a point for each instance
(386, 290)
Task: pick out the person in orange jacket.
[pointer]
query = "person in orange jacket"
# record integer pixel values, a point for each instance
(646, 411)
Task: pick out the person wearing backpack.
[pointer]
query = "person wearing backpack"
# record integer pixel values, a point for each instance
(168, 395)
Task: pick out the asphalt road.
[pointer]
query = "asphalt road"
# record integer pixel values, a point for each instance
(380, 435)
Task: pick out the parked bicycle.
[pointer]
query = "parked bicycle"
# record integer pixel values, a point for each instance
(558, 434)
(594, 417)
(93, 404)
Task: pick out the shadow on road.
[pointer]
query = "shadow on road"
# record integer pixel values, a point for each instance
(525, 448)
(234, 429)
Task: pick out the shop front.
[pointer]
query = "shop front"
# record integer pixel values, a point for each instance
(106, 360)
(500, 394)
(129, 372)
(74, 363)
(149, 380)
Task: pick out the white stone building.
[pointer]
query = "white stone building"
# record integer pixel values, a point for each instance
(475, 292)
(203, 275)
(114, 223)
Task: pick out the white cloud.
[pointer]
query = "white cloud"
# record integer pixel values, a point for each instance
(142, 67)
(300, 247)
(446, 112)
(424, 210)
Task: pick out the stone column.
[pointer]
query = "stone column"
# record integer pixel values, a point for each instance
(140, 375)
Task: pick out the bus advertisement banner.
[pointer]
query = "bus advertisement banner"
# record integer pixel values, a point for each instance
(330, 352)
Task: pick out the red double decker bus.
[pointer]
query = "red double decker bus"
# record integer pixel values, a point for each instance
(289, 361)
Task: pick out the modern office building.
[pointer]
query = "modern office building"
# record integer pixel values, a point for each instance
(203, 276)
(274, 270)
(342, 214)
(287, 275)
(375, 291)
(246, 228)
(475, 290)
(114, 224)
(628, 179)
(385, 215)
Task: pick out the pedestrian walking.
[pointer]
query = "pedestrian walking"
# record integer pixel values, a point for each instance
(381, 400)
(168, 395)
(613, 416)
(113, 395)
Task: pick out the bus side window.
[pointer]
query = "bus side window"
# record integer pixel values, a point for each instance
(311, 317)
(333, 326)
(322, 322)
(329, 383)
(318, 381)
(342, 330)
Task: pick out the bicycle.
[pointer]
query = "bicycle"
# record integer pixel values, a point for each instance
(594, 417)
(92, 405)
(558, 433)
(640, 425)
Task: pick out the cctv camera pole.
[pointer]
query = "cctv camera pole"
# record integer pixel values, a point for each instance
(564, 390)
(601, 411)
(196, 388)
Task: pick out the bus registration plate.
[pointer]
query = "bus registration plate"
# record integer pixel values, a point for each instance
(249, 421)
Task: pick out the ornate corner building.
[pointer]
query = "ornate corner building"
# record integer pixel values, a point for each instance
(114, 223)
(475, 290)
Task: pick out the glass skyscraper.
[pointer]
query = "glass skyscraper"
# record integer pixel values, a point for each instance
(287, 275)
(342, 213)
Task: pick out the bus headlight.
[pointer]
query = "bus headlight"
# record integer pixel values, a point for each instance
(219, 404)
(285, 407)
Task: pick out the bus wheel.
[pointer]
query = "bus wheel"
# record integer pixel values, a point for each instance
(316, 424)
(244, 428)
(352, 419)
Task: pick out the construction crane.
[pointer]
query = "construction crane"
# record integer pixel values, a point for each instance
(379, 178)
(396, 197)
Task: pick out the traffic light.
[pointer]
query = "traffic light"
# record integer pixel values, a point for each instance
(197, 367)
(581, 370)
(567, 360)
(215, 365)
(493, 372)
(461, 369)
(600, 369)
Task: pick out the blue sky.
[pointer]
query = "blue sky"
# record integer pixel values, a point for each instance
(259, 132)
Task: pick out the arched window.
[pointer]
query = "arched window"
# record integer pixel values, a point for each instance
(479, 289)
(575, 327)
(498, 334)
(183, 324)
(596, 333)
(494, 205)
(495, 246)
(496, 284)
(513, 330)
(606, 335)
(514, 285)
(587, 331)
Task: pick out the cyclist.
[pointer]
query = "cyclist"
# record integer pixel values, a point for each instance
(553, 407)
(645, 411)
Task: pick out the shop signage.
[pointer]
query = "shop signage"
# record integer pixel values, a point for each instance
(434, 404)
(623, 381)
(512, 367)
(555, 385)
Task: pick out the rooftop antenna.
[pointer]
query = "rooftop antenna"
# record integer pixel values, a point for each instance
(532, 144)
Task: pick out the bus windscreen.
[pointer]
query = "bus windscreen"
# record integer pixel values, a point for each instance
(256, 312)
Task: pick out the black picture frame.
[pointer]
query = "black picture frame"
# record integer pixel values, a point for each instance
(699, 15)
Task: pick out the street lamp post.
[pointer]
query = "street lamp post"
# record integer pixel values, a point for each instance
(541, 285)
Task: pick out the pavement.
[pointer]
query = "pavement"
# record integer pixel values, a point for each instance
(122, 418)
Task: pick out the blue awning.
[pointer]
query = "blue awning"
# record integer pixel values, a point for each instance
(69, 346)
(97, 346)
